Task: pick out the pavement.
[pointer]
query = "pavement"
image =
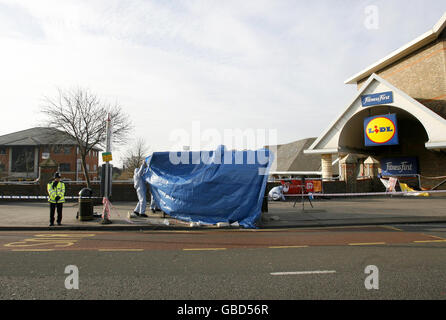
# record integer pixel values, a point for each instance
(332, 212)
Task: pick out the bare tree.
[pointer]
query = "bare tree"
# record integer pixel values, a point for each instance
(81, 114)
(135, 155)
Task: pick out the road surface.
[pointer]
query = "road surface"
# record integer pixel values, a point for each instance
(325, 263)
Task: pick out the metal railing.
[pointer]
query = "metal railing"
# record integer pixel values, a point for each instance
(7, 182)
(95, 181)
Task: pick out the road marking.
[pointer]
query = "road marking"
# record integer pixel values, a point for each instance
(436, 237)
(426, 241)
(51, 239)
(205, 249)
(120, 250)
(302, 272)
(32, 250)
(175, 231)
(392, 228)
(304, 229)
(282, 247)
(65, 235)
(341, 227)
(366, 243)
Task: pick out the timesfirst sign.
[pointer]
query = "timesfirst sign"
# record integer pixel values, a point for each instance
(380, 130)
(377, 99)
(399, 166)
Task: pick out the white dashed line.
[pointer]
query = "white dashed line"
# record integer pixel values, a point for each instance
(301, 272)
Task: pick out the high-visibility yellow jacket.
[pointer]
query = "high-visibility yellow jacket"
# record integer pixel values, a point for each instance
(59, 191)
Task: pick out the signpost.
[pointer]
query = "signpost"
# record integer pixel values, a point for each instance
(107, 157)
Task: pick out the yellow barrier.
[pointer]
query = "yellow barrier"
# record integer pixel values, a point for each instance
(405, 187)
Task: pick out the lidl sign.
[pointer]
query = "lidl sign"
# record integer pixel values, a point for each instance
(377, 98)
(380, 130)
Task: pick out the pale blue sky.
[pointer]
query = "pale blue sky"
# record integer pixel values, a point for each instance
(228, 64)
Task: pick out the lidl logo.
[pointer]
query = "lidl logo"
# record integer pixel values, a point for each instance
(380, 130)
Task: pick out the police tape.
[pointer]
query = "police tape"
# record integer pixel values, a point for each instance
(433, 178)
(45, 197)
(359, 194)
(362, 194)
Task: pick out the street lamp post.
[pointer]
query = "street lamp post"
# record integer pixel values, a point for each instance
(107, 157)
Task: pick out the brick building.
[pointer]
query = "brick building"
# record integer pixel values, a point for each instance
(22, 152)
(402, 97)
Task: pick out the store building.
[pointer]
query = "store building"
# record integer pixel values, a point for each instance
(22, 152)
(396, 123)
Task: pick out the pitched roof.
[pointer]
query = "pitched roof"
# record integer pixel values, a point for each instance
(291, 157)
(433, 123)
(402, 52)
(36, 137)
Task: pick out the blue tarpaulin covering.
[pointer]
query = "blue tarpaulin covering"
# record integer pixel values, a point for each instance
(210, 186)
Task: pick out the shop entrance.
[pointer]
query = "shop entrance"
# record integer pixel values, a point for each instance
(412, 137)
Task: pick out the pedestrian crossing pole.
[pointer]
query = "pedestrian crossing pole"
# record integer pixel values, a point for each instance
(107, 157)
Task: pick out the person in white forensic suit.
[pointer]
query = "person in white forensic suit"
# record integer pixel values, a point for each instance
(141, 189)
(153, 205)
(276, 193)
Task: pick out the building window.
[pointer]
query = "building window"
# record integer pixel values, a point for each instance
(57, 149)
(67, 150)
(64, 167)
(95, 167)
(2, 150)
(22, 159)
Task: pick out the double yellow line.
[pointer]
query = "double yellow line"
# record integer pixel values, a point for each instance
(366, 243)
(32, 250)
(120, 250)
(203, 249)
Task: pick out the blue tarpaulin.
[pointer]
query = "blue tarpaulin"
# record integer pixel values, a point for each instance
(210, 186)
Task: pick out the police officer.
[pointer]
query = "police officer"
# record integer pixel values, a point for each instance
(56, 192)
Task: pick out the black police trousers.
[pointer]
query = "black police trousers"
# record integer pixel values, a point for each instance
(53, 207)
